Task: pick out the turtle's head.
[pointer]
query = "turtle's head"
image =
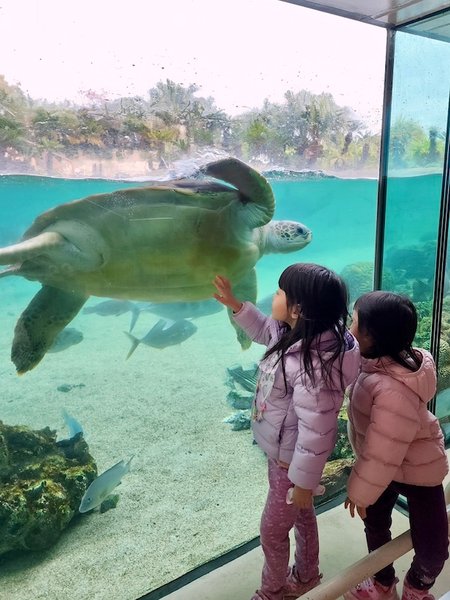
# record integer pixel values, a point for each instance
(285, 236)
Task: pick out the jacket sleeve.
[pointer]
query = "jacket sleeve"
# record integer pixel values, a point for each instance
(394, 422)
(255, 323)
(317, 411)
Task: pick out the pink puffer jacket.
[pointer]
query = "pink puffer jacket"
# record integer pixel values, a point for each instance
(298, 425)
(393, 434)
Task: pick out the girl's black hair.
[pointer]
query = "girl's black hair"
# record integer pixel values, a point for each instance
(321, 298)
(391, 322)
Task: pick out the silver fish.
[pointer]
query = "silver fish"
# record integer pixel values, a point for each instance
(164, 334)
(183, 310)
(66, 338)
(103, 485)
(115, 308)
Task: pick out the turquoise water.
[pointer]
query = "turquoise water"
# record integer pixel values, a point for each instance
(341, 214)
(167, 407)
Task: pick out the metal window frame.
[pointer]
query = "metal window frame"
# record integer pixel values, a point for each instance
(441, 254)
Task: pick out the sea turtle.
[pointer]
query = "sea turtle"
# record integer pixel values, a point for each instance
(161, 243)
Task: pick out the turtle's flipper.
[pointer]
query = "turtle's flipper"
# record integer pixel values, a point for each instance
(47, 314)
(29, 248)
(255, 190)
(244, 290)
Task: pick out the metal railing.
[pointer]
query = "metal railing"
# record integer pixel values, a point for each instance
(367, 566)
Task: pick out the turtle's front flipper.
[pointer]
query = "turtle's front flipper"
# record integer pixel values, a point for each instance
(39, 324)
(256, 193)
(30, 248)
(244, 290)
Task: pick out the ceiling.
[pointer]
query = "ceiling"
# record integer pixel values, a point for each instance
(387, 13)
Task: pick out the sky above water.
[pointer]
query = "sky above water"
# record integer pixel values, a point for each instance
(238, 51)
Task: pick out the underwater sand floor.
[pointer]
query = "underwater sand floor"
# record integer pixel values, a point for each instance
(196, 488)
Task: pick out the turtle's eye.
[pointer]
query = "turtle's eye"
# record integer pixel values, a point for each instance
(300, 230)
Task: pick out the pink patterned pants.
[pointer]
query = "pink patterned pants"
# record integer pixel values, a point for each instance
(277, 520)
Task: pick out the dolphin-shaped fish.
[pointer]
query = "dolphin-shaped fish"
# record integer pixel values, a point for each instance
(164, 334)
(183, 310)
(103, 485)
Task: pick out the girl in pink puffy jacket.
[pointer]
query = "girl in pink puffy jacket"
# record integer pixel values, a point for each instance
(310, 359)
(398, 444)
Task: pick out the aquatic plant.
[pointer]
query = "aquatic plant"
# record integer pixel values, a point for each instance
(334, 477)
(423, 338)
(342, 448)
(42, 482)
(359, 278)
(414, 261)
(424, 323)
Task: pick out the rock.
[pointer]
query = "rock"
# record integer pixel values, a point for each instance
(239, 421)
(109, 502)
(67, 387)
(240, 400)
(334, 478)
(41, 486)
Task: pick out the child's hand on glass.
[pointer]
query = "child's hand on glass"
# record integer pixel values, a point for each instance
(224, 294)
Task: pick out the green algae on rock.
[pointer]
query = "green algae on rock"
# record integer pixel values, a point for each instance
(42, 482)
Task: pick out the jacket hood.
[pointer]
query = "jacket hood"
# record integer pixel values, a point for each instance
(324, 342)
(421, 382)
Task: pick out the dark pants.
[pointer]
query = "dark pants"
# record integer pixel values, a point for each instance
(429, 531)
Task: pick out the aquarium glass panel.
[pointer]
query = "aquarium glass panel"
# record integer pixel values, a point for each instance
(129, 369)
(420, 110)
(443, 395)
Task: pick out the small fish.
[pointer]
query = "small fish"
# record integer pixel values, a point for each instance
(73, 425)
(66, 338)
(103, 485)
(115, 308)
(164, 334)
(184, 310)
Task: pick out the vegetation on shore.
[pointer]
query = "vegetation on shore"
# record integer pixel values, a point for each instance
(306, 131)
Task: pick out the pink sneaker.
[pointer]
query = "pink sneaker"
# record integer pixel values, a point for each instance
(295, 588)
(410, 593)
(370, 589)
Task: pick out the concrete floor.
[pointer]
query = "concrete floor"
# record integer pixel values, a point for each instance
(342, 543)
